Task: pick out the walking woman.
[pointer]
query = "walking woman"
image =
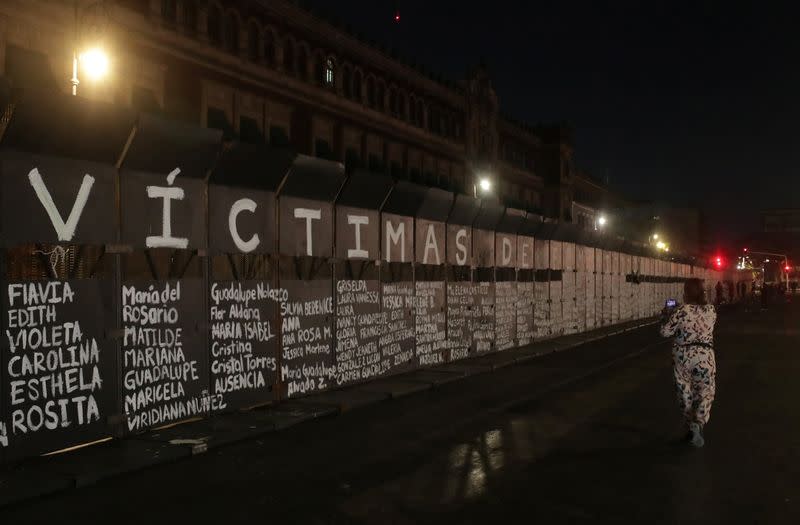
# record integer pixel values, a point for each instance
(694, 366)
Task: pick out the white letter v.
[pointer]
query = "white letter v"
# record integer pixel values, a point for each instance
(65, 231)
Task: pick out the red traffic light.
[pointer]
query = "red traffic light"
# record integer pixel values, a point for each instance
(788, 268)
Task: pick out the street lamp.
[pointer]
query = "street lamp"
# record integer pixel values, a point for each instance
(600, 222)
(94, 61)
(482, 183)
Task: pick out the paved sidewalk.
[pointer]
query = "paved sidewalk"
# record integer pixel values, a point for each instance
(80, 467)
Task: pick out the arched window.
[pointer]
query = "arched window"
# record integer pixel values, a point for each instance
(319, 71)
(190, 16)
(329, 72)
(393, 102)
(231, 38)
(379, 96)
(371, 92)
(347, 82)
(269, 48)
(252, 41)
(302, 63)
(169, 11)
(214, 25)
(288, 57)
(357, 85)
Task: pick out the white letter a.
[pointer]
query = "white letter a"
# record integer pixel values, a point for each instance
(65, 231)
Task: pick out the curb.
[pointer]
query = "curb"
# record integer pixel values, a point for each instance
(49, 475)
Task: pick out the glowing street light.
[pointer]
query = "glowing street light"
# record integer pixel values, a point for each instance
(660, 245)
(602, 220)
(95, 63)
(485, 184)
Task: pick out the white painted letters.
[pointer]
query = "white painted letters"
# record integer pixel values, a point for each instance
(461, 248)
(430, 243)
(393, 237)
(357, 252)
(506, 251)
(238, 207)
(167, 193)
(308, 215)
(64, 230)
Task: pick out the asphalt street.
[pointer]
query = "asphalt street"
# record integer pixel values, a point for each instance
(507, 447)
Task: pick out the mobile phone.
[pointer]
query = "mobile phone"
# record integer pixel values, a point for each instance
(672, 303)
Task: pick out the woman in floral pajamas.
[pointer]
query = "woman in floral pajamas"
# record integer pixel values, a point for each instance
(694, 366)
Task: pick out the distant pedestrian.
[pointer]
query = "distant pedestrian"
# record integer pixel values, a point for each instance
(793, 286)
(693, 363)
(719, 293)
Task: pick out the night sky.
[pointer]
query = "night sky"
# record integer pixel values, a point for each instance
(694, 103)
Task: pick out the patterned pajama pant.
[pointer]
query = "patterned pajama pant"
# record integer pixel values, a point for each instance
(695, 371)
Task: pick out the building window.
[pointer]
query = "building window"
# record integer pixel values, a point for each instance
(231, 39)
(288, 57)
(278, 137)
(347, 82)
(214, 26)
(217, 119)
(420, 115)
(190, 16)
(412, 111)
(302, 63)
(357, 86)
(329, 72)
(375, 163)
(393, 102)
(269, 48)
(352, 159)
(322, 149)
(371, 92)
(380, 95)
(396, 170)
(250, 131)
(169, 11)
(252, 42)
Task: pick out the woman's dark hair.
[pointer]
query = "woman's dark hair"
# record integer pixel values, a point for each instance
(694, 292)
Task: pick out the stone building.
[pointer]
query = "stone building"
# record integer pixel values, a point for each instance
(271, 72)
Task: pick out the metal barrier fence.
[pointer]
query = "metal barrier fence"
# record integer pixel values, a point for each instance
(152, 274)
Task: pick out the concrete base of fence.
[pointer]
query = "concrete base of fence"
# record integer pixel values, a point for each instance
(39, 477)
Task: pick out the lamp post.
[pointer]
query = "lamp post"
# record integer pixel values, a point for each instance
(484, 184)
(599, 222)
(94, 61)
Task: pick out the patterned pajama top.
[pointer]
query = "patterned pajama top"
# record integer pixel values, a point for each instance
(691, 324)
